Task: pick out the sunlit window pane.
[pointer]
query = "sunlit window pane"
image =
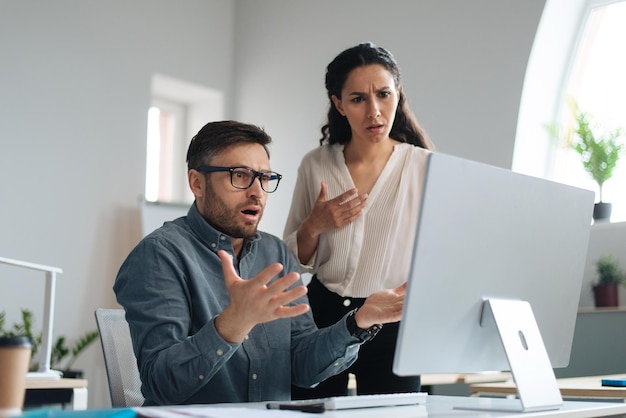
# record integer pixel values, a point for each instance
(159, 154)
(598, 84)
(152, 155)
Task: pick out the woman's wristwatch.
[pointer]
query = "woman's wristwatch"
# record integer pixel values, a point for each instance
(360, 333)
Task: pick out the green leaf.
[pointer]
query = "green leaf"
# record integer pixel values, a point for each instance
(608, 270)
(60, 349)
(599, 150)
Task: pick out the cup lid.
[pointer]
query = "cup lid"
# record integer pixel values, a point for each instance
(17, 341)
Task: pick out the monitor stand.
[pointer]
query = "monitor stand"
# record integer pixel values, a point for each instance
(527, 356)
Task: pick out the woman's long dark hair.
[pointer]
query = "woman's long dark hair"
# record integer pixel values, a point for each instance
(337, 130)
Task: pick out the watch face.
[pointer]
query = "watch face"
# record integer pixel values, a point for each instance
(372, 331)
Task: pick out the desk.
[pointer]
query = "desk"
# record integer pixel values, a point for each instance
(436, 406)
(571, 387)
(445, 406)
(50, 391)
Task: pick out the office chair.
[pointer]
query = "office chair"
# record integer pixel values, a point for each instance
(119, 358)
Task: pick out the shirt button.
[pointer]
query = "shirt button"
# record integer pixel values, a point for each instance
(347, 302)
(213, 245)
(201, 377)
(219, 352)
(222, 237)
(254, 376)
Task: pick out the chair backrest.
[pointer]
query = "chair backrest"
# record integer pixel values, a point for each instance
(119, 358)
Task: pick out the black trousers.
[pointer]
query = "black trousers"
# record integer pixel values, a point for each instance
(373, 368)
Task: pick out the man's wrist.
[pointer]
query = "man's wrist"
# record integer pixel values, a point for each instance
(360, 333)
(229, 331)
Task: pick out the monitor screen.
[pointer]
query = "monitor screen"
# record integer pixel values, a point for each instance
(487, 232)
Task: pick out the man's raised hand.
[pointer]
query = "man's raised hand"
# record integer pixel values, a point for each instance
(255, 301)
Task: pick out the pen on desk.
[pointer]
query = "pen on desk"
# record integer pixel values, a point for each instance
(314, 408)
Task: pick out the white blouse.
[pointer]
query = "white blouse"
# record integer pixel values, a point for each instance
(373, 252)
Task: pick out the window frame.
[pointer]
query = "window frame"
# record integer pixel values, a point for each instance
(195, 105)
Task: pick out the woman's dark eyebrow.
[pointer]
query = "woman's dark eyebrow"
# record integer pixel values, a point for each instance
(358, 93)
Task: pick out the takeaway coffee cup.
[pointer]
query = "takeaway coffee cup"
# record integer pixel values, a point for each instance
(14, 361)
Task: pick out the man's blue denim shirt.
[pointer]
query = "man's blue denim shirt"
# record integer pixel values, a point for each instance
(172, 288)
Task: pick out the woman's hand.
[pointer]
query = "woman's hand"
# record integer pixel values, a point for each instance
(327, 215)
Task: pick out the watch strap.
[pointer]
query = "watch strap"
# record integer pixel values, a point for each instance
(362, 334)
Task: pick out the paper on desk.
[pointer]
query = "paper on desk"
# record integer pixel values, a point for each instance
(212, 412)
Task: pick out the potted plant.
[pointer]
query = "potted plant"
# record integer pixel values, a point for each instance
(610, 276)
(599, 150)
(61, 351)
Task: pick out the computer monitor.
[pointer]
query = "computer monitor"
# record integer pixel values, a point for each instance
(489, 234)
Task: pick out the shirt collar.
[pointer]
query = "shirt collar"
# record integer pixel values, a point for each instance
(213, 238)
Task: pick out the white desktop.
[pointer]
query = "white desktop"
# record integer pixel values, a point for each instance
(496, 277)
(435, 406)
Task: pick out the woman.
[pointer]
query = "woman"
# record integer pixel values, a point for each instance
(354, 211)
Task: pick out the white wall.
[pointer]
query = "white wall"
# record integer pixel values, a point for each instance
(74, 94)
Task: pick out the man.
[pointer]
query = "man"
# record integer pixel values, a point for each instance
(216, 309)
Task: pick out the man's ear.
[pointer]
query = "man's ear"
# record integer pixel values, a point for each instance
(337, 103)
(196, 183)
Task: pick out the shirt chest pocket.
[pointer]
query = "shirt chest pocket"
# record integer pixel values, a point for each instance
(278, 334)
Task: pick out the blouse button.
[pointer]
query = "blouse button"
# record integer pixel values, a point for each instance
(222, 237)
(201, 377)
(254, 376)
(347, 302)
(219, 352)
(213, 245)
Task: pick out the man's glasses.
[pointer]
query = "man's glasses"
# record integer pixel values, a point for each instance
(243, 177)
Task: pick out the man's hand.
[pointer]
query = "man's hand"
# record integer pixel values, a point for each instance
(254, 302)
(381, 308)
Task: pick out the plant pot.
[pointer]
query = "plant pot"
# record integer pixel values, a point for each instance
(606, 295)
(602, 210)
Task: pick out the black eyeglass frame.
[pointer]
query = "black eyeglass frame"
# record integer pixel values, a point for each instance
(255, 174)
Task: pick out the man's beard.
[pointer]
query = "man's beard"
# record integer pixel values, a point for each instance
(223, 218)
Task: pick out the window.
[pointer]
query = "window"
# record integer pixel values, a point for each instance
(166, 136)
(598, 84)
(584, 62)
(178, 110)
